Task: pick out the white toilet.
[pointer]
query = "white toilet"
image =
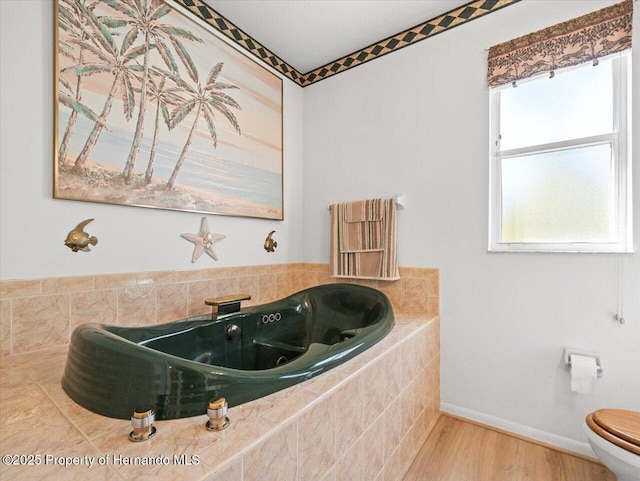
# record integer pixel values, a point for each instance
(614, 436)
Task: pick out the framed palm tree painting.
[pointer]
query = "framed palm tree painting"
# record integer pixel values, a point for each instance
(154, 109)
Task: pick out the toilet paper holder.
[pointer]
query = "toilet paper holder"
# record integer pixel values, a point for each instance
(567, 358)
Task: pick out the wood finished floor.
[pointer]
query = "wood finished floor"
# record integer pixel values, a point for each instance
(459, 451)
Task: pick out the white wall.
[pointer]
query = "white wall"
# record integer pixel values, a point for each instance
(34, 225)
(416, 122)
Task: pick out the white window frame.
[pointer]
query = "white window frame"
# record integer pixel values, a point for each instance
(620, 141)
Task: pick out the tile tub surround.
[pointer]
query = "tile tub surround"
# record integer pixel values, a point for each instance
(39, 314)
(362, 421)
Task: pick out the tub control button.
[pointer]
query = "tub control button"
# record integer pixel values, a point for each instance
(270, 318)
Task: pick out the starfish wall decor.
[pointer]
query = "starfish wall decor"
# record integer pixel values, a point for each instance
(203, 241)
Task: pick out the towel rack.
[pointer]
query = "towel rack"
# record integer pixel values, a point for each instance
(399, 199)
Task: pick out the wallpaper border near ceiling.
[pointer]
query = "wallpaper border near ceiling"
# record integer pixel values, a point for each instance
(436, 25)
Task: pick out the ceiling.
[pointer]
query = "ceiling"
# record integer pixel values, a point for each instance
(308, 34)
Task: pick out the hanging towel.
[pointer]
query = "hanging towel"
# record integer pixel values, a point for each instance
(363, 239)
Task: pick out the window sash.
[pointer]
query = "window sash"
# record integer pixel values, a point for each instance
(620, 175)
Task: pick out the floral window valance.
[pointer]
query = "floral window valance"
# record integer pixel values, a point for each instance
(580, 40)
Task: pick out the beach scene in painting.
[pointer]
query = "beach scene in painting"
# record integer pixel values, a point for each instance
(154, 110)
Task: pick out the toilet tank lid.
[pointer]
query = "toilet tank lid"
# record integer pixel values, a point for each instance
(620, 423)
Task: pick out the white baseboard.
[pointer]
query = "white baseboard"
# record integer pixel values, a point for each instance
(582, 448)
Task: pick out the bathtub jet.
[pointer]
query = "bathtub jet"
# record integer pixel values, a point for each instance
(180, 366)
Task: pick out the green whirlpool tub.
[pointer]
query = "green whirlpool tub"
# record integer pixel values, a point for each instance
(178, 367)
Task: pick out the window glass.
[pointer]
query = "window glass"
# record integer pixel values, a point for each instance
(562, 196)
(576, 103)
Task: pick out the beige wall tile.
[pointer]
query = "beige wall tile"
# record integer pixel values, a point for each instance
(266, 288)
(214, 273)
(137, 306)
(19, 288)
(423, 391)
(349, 466)
(230, 472)
(392, 432)
(187, 276)
(372, 448)
(40, 322)
(94, 306)
(407, 414)
(315, 267)
(198, 292)
(393, 290)
(316, 440)
(405, 272)
(434, 284)
(5, 327)
(296, 281)
(394, 370)
(171, 302)
(393, 466)
(62, 285)
(374, 389)
(27, 437)
(91, 424)
(22, 404)
(283, 285)
(175, 437)
(56, 472)
(130, 279)
(248, 412)
(422, 271)
(414, 295)
(226, 286)
(432, 332)
(350, 407)
(259, 270)
(274, 458)
(410, 362)
(43, 368)
(238, 271)
(330, 476)
(323, 278)
(307, 279)
(290, 407)
(433, 306)
(248, 285)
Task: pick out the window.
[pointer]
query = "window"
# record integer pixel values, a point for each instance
(560, 161)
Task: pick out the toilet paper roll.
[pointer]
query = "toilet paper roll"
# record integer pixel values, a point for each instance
(584, 372)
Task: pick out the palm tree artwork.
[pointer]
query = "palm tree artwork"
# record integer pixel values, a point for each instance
(121, 59)
(72, 20)
(120, 62)
(206, 99)
(142, 16)
(165, 96)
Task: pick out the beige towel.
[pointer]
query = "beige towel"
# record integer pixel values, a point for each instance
(363, 239)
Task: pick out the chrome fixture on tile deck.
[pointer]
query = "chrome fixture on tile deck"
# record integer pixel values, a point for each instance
(217, 412)
(142, 422)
